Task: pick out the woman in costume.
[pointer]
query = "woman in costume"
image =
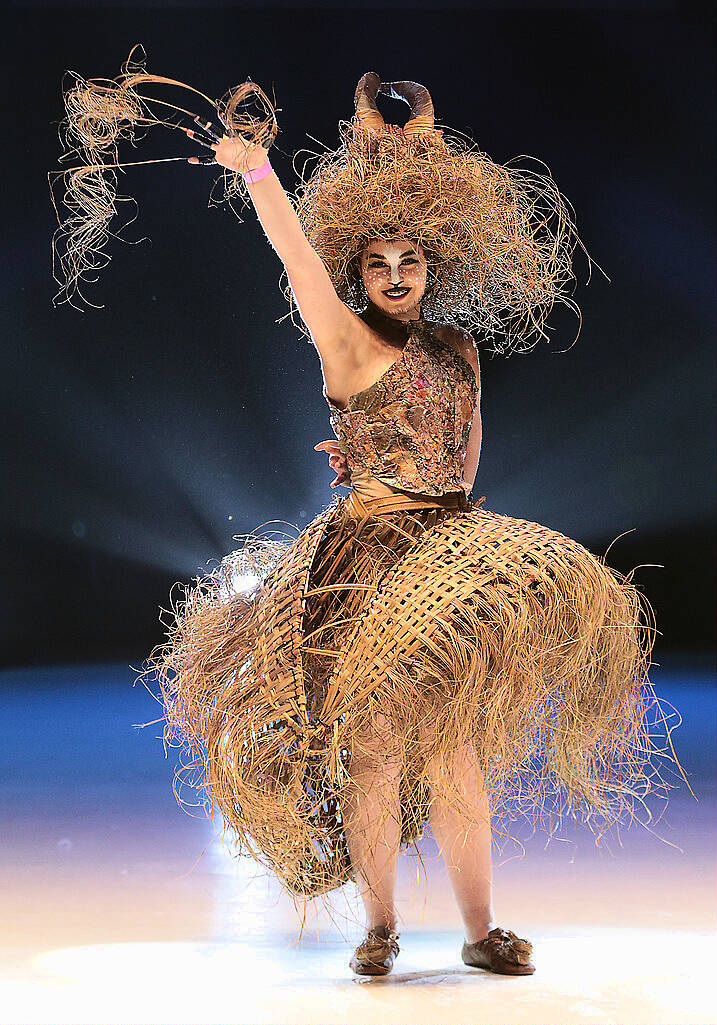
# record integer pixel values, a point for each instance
(410, 657)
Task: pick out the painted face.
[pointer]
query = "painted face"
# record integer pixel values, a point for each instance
(394, 274)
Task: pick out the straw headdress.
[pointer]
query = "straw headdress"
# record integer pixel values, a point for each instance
(498, 239)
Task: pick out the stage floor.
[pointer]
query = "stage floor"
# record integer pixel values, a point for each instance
(119, 908)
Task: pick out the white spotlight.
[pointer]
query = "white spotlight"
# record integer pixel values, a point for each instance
(244, 583)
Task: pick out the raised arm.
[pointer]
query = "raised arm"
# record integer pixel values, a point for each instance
(333, 326)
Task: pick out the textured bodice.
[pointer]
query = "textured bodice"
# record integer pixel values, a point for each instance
(410, 428)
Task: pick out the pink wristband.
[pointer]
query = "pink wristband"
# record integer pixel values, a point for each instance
(258, 173)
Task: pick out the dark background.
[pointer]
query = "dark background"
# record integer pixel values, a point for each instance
(140, 437)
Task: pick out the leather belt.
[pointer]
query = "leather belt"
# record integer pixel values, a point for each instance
(362, 507)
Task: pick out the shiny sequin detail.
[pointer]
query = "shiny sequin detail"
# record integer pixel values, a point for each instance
(410, 428)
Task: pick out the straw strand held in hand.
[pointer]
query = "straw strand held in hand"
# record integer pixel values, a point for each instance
(100, 116)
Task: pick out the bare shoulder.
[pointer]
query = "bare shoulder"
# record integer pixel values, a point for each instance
(462, 341)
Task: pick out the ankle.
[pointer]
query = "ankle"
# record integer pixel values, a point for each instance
(383, 927)
(478, 928)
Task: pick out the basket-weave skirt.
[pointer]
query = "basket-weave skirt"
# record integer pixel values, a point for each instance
(465, 628)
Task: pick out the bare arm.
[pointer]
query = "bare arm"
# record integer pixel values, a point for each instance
(463, 342)
(467, 348)
(333, 326)
(470, 463)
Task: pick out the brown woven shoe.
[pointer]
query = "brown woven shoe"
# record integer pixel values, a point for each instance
(375, 956)
(501, 951)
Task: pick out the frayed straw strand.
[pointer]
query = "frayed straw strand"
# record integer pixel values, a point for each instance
(476, 632)
(100, 115)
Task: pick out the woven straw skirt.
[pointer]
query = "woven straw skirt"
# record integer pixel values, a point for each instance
(458, 626)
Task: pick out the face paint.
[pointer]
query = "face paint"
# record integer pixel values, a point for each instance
(394, 274)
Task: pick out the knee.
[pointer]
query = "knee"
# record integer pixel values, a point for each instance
(377, 746)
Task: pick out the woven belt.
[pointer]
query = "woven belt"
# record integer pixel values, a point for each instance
(362, 507)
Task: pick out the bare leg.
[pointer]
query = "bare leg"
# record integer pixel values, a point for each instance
(466, 847)
(372, 822)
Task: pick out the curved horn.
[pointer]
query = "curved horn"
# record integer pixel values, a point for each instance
(365, 101)
(419, 99)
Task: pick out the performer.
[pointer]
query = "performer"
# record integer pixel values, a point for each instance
(410, 656)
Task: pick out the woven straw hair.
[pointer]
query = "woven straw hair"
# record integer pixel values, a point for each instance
(499, 239)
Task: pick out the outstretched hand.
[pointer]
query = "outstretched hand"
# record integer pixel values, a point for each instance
(237, 153)
(337, 461)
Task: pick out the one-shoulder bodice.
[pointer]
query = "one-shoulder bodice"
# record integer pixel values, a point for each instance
(409, 429)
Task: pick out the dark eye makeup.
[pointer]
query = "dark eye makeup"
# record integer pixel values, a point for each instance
(377, 266)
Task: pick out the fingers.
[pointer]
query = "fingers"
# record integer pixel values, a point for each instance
(337, 462)
(211, 130)
(215, 131)
(197, 138)
(212, 138)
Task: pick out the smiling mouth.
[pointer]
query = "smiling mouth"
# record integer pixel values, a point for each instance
(396, 293)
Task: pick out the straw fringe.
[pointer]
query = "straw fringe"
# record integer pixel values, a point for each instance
(466, 630)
